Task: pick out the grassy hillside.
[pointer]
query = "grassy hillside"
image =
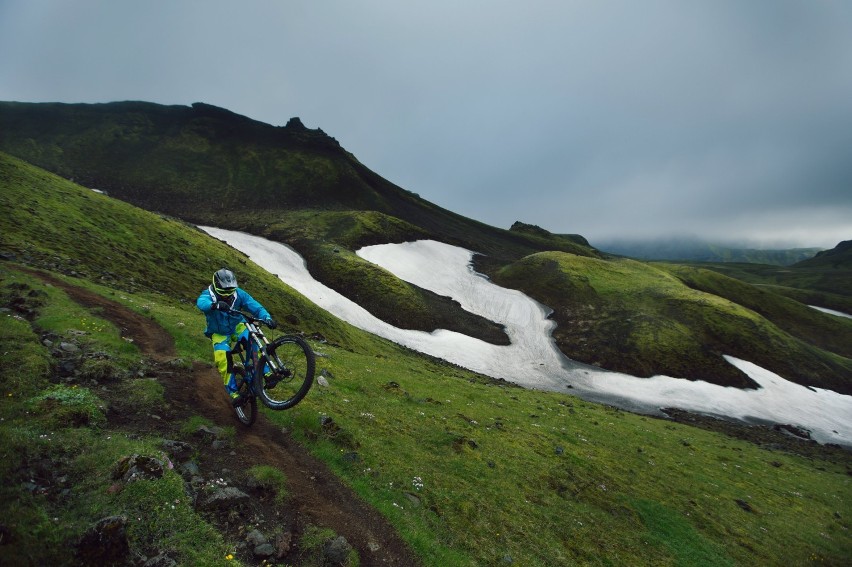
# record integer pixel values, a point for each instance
(471, 473)
(56, 225)
(646, 320)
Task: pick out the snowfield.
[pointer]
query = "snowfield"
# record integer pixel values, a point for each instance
(532, 359)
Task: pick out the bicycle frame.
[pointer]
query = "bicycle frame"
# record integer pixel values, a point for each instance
(255, 350)
(266, 364)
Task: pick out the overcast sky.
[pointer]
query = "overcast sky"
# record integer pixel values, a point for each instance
(726, 119)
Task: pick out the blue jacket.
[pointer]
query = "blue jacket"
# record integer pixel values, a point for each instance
(222, 323)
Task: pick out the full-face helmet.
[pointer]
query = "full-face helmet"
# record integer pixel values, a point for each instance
(224, 282)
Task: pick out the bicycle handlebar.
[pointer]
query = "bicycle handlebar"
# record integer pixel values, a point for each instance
(247, 316)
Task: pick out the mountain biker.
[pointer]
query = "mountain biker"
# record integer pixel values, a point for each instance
(226, 329)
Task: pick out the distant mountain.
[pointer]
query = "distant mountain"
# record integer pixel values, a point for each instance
(696, 250)
(837, 257)
(209, 165)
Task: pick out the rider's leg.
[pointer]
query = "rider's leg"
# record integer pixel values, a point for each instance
(221, 346)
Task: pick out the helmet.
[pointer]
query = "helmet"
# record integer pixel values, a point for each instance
(224, 282)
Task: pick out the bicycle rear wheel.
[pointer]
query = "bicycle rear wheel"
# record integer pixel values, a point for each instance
(287, 386)
(247, 412)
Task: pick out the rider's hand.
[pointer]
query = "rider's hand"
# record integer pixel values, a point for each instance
(271, 323)
(222, 306)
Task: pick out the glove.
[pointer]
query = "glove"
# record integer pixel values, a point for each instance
(271, 323)
(222, 306)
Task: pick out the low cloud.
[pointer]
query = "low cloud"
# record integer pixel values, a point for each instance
(600, 118)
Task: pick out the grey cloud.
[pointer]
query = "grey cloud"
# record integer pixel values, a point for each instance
(605, 118)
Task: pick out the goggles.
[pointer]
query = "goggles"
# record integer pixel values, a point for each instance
(227, 292)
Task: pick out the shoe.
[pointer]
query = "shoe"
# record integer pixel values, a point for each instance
(273, 379)
(237, 399)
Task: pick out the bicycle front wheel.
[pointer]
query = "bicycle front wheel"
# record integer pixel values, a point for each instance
(285, 387)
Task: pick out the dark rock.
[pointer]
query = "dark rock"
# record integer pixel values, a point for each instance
(160, 560)
(209, 432)
(295, 123)
(264, 550)
(225, 499)
(329, 427)
(461, 442)
(137, 467)
(67, 368)
(105, 543)
(189, 469)
(794, 430)
(69, 348)
(283, 544)
(256, 538)
(179, 450)
(744, 505)
(413, 498)
(336, 551)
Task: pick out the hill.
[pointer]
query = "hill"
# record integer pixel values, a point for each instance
(208, 165)
(824, 280)
(696, 250)
(638, 318)
(468, 472)
(298, 186)
(838, 257)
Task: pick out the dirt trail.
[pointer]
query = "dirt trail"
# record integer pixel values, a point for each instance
(316, 495)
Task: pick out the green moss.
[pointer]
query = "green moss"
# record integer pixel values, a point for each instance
(65, 406)
(145, 394)
(160, 516)
(271, 478)
(674, 533)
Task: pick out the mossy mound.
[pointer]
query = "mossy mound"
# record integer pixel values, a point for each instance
(641, 319)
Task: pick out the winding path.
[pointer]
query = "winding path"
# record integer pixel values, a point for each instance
(316, 495)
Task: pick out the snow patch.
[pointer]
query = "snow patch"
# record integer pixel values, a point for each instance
(532, 359)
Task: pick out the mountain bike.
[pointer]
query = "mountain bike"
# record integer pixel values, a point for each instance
(279, 372)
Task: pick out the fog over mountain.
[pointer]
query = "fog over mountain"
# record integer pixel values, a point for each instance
(724, 119)
(696, 249)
